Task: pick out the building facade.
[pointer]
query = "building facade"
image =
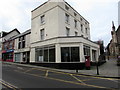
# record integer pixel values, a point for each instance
(8, 46)
(22, 47)
(113, 47)
(59, 34)
(2, 34)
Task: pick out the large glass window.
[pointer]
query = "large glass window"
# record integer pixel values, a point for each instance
(75, 54)
(65, 54)
(52, 55)
(45, 54)
(86, 50)
(70, 54)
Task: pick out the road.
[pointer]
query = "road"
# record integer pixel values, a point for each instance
(24, 77)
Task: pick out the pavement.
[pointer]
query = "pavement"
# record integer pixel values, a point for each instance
(108, 69)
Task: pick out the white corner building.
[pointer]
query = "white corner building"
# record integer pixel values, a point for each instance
(59, 34)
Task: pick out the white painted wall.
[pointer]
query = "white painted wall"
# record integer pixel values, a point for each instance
(63, 24)
(55, 26)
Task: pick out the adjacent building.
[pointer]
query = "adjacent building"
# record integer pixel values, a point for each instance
(59, 34)
(8, 45)
(2, 34)
(22, 47)
(113, 47)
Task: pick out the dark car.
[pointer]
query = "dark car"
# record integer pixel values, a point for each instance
(118, 61)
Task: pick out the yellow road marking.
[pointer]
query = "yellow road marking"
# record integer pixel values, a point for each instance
(97, 77)
(77, 79)
(66, 81)
(88, 79)
(66, 73)
(9, 85)
(72, 74)
(46, 73)
(29, 70)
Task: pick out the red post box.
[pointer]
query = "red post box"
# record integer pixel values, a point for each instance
(87, 62)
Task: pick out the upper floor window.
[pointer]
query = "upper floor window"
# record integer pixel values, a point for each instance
(66, 7)
(81, 28)
(76, 33)
(67, 31)
(75, 23)
(42, 34)
(81, 19)
(66, 18)
(21, 43)
(42, 19)
(11, 45)
(86, 30)
(75, 14)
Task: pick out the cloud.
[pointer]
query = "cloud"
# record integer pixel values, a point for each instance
(100, 13)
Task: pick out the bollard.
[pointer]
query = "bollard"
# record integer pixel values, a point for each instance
(97, 69)
(76, 70)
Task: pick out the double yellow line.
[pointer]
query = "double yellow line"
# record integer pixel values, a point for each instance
(6, 84)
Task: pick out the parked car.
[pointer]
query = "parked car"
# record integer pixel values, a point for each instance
(118, 60)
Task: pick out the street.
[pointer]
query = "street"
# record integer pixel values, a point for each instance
(23, 77)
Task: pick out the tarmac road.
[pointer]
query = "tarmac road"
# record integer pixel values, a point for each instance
(23, 77)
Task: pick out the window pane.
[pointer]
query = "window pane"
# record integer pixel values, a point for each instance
(52, 55)
(65, 54)
(46, 55)
(75, 54)
(86, 50)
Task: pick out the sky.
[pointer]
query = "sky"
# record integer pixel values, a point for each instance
(99, 13)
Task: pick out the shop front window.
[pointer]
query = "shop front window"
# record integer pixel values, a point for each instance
(86, 50)
(45, 54)
(70, 54)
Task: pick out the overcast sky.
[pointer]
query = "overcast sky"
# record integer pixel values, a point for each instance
(99, 13)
